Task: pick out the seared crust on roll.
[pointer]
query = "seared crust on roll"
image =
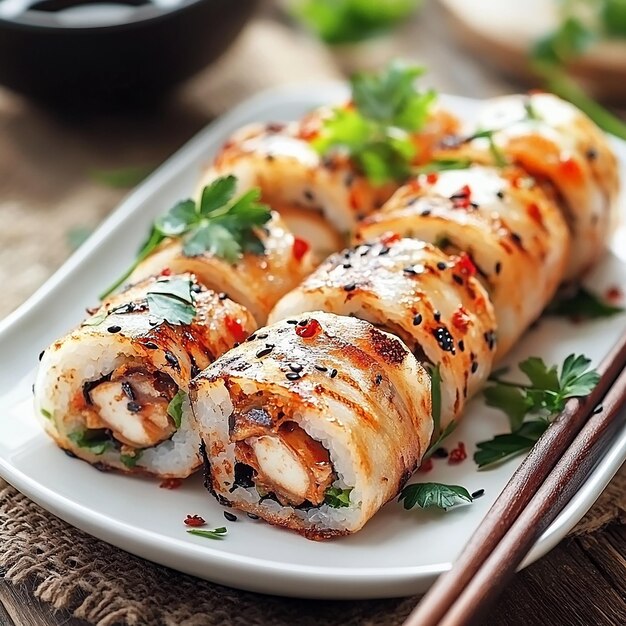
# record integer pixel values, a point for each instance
(431, 300)
(255, 281)
(103, 392)
(558, 145)
(514, 234)
(320, 197)
(311, 405)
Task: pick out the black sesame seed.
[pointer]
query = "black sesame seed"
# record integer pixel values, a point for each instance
(236, 344)
(195, 370)
(384, 250)
(591, 154)
(437, 316)
(303, 322)
(410, 271)
(472, 356)
(153, 322)
(426, 212)
(270, 158)
(128, 390)
(441, 265)
(292, 376)
(222, 296)
(292, 321)
(461, 345)
(500, 194)
(252, 337)
(444, 339)
(295, 367)
(114, 329)
(417, 320)
(349, 287)
(474, 367)
(478, 494)
(498, 267)
(252, 516)
(333, 373)
(41, 354)
(264, 351)
(171, 359)
(133, 407)
(490, 338)
(321, 368)
(346, 266)
(378, 379)
(598, 409)
(196, 288)
(440, 453)
(516, 238)
(457, 279)
(150, 345)
(262, 335)
(309, 195)
(474, 205)
(231, 517)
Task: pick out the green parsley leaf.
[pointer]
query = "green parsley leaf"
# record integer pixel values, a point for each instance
(47, 414)
(570, 40)
(219, 224)
(511, 400)
(217, 533)
(94, 440)
(337, 498)
(582, 304)
(96, 319)
(130, 460)
(171, 300)
(441, 165)
(175, 407)
(445, 433)
(376, 133)
(426, 495)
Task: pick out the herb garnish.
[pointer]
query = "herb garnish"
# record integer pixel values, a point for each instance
(496, 153)
(175, 407)
(376, 130)
(337, 497)
(97, 319)
(544, 396)
(582, 304)
(441, 165)
(435, 393)
(171, 300)
(47, 414)
(217, 533)
(130, 460)
(92, 440)
(219, 224)
(426, 495)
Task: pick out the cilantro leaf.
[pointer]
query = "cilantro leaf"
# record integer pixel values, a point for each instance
(175, 408)
(219, 224)
(582, 304)
(93, 440)
(171, 300)
(376, 132)
(337, 498)
(217, 533)
(426, 495)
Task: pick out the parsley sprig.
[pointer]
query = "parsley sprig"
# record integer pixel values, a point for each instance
(544, 395)
(438, 495)
(219, 224)
(376, 131)
(582, 304)
(337, 497)
(171, 300)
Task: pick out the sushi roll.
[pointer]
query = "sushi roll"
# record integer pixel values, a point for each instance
(113, 392)
(313, 423)
(514, 234)
(430, 300)
(559, 147)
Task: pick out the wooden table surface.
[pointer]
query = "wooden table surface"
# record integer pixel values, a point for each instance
(583, 580)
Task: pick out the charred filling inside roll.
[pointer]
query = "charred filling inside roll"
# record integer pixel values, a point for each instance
(129, 405)
(274, 454)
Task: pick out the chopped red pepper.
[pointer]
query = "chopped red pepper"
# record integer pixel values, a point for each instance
(171, 483)
(458, 455)
(462, 198)
(235, 328)
(570, 169)
(534, 213)
(166, 272)
(614, 294)
(300, 248)
(426, 466)
(309, 329)
(432, 178)
(465, 265)
(194, 520)
(389, 238)
(460, 319)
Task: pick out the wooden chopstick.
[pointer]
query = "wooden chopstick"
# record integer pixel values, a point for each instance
(519, 491)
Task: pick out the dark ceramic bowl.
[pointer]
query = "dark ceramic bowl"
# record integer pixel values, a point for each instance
(86, 54)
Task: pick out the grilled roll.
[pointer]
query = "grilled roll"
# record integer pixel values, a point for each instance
(113, 392)
(560, 147)
(430, 300)
(320, 197)
(313, 423)
(514, 234)
(256, 281)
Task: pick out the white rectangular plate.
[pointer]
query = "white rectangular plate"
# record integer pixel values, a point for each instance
(398, 553)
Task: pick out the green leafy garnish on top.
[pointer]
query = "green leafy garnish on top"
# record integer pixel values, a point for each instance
(544, 395)
(438, 495)
(376, 130)
(337, 498)
(171, 300)
(220, 224)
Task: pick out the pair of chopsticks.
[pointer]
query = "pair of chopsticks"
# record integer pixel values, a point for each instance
(544, 483)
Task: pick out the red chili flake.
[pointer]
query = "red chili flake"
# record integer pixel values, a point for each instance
(460, 319)
(432, 178)
(462, 198)
(614, 294)
(166, 272)
(458, 454)
(426, 466)
(194, 520)
(308, 330)
(300, 248)
(534, 213)
(465, 265)
(570, 169)
(235, 328)
(389, 238)
(171, 483)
